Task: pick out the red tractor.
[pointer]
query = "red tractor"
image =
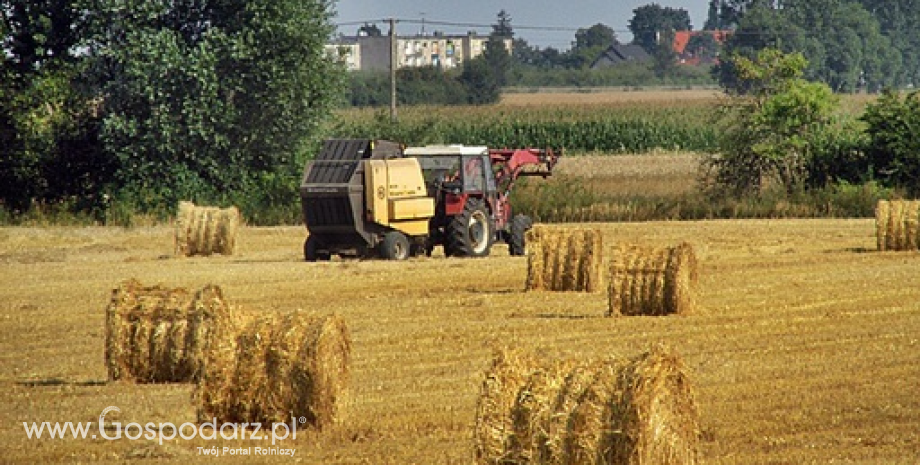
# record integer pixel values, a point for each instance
(365, 198)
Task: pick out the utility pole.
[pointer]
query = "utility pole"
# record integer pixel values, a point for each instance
(393, 65)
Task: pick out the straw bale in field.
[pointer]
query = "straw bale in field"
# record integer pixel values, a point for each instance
(565, 259)
(206, 230)
(278, 367)
(158, 335)
(652, 281)
(617, 411)
(897, 224)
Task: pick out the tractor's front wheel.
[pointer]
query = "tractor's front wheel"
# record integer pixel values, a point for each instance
(519, 226)
(470, 233)
(395, 246)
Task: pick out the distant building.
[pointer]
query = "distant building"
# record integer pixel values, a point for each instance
(618, 54)
(346, 51)
(445, 51)
(687, 56)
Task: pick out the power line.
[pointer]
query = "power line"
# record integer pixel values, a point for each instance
(435, 22)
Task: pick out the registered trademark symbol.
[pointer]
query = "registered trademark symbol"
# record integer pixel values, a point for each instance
(302, 420)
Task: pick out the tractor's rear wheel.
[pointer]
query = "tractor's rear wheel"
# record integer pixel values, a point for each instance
(395, 246)
(470, 233)
(517, 241)
(311, 252)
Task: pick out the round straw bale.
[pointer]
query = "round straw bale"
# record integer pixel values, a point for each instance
(882, 213)
(646, 281)
(535, 259)
(183, 226)
(894, 236)
(279, 368)
(155, 334)
(575, 380)
(911, 212)
(632, 411)
(494, 425)
(654, 417)
(572, 248)
(227, 229)
(593, 268)
(206, 230)
(681, 276)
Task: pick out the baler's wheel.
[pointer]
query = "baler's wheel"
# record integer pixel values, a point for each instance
(311, 252)
(395, 246)
(469, 234)
(519, 226)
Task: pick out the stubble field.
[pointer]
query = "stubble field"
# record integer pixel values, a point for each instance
(805, 347)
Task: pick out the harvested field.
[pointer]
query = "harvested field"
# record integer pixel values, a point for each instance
(652, 175)
(804, 347)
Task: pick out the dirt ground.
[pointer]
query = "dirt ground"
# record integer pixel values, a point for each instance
(805, 347)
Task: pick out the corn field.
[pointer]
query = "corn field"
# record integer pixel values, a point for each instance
(608, 129)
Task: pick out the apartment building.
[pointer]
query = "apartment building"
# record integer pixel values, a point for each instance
(445, 51)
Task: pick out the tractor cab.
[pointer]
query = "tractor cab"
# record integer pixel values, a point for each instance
(455, 169)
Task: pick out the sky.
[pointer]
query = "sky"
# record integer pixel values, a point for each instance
(562, 17)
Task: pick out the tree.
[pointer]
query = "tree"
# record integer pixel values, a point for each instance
(894, 149)
(704, 46)
(664, 55)
(502, 28)
(204, 98)
(771, 132)
(898, 21)
(478, 77)
(731, 11)
(841, 40)
(759, 30)
(39, 34)
(650, 21)
(496, 51)
(49, 150)
(713, 18)
(589, 44)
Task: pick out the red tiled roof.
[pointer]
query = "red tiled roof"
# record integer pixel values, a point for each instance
(682, 38)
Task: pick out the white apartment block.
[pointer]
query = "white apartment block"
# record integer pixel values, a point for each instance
(445, 51)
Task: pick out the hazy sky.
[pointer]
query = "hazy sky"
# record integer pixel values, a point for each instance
(567, 15)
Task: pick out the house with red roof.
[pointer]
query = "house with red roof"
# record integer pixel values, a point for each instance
(699, 47)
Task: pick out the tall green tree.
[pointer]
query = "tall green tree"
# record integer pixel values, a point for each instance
(771, 132)
(731, 11)
(899, 21)
(589, 44)
(713, 19)
(760, 28)
(203, 98)
(496, 52)
(502, 27)
(894, 149)
(664, 56)
(649, 22)
(49, 151)
(841, 41)
(479, 80)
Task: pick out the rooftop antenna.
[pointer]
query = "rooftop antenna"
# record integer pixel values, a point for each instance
(422, 14)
